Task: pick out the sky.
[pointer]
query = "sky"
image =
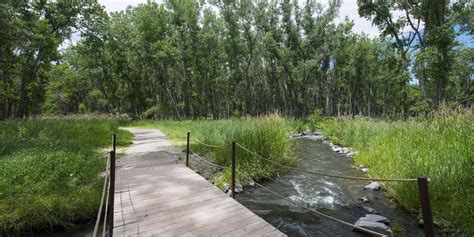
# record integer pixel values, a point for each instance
(348, 8)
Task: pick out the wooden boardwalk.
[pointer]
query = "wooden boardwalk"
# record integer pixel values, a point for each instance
(158, 196)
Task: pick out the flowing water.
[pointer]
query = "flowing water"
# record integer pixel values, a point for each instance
(332, 196)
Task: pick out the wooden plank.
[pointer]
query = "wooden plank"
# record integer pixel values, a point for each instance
(186, 208)
(173, 200)
(178, 212)
(156, 196)
(172, 225)
(169, 204)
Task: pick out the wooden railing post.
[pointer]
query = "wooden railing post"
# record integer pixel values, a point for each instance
(110, 213)
(187, 150)
(426, 206)
(233, 169)
(114, 143)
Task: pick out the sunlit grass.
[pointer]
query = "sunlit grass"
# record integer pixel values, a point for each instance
(49, 170)
(441, 148)
(268, 136)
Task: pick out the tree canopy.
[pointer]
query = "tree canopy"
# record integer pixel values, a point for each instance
(220, 58)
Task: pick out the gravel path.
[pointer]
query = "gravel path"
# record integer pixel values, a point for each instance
(150, 148)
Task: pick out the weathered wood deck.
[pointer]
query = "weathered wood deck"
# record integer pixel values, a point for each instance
(155, 195)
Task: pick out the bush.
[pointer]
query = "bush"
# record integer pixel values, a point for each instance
(440, 147)
(315, 118)
(298, 125)
(152, 113)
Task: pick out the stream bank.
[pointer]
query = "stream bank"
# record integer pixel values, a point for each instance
(339, 198)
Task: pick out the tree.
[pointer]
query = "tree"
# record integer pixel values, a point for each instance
(431, 35)
(36, 30)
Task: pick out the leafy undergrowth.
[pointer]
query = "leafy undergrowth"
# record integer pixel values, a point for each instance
(49, 170)
(268, 136)
(441, 148)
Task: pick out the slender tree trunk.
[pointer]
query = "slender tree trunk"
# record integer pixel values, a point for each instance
(25, 81)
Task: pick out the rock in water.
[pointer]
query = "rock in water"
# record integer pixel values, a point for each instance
(375, 218)
(226, 188)
(365, 170)
(239, 188)
(369, 210)
(374, 226)
(364, 199)
(372, 186)
(350, 154)
(335, 148)
(345, 150)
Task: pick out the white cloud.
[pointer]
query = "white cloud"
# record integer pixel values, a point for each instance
(361, 25)
(348, 8)
(118, 5)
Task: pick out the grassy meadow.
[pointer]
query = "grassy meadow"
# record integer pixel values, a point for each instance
(50, 170)
(441, 148)
(268, 136)
(50, 167)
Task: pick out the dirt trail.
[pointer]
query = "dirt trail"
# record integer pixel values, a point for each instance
(150, 148)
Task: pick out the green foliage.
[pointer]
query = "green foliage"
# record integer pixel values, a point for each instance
(268, 136)
(440, 148)
(82, 108)
(49, 170)
(315, 118)
(421, 107)
(297, 125)
(434, 60)
(35, 31)
(152, 113)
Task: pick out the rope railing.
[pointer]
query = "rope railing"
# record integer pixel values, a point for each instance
(104, 189)
(107, 196)
(106, 211)
(324, 174)
(206, 161)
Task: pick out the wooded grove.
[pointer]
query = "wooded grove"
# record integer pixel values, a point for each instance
(222, 58)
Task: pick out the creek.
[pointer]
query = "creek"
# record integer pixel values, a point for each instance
(333, 196)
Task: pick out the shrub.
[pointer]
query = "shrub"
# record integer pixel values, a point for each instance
(315, 118)
(298, 125)
(152, 113)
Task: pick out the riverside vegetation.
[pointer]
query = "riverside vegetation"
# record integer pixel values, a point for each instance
(440, 147)
(49, 170)
(267, 135)
(50, 167)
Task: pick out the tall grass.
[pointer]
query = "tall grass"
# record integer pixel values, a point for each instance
(49, 170)
(441, 147)
(267, 136)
